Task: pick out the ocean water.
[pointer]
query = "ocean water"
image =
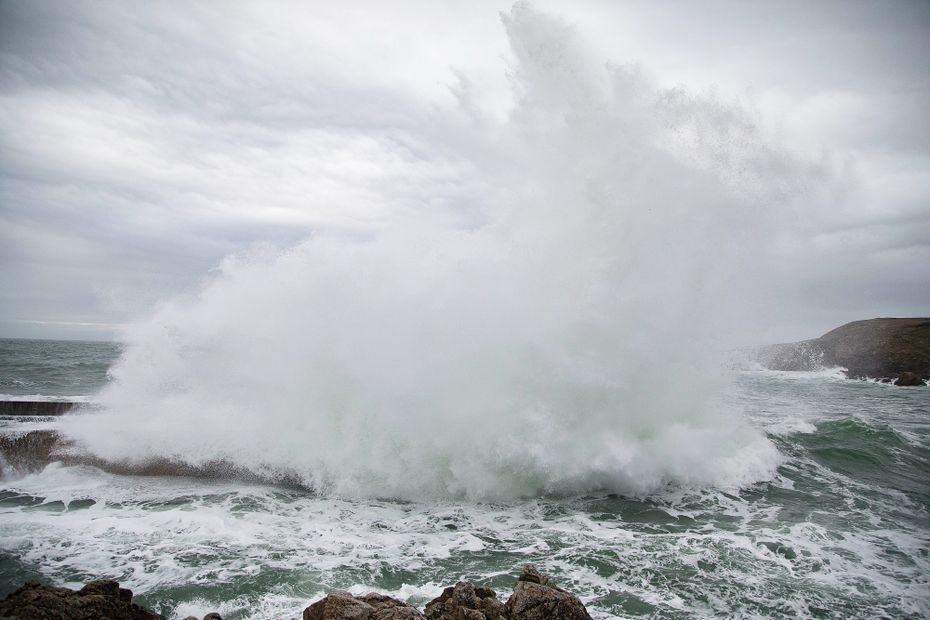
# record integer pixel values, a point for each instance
(841, 529)
(522, 363)
(53, 369)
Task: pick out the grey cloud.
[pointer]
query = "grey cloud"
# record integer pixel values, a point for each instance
(141, 143)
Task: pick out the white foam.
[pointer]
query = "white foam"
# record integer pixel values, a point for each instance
(86, 398)
(158, 533)
(835, 373)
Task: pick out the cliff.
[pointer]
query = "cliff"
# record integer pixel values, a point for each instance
(875, 348)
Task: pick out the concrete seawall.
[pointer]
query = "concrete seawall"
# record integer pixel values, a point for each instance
(36, 407)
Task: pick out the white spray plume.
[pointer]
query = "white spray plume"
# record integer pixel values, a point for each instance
(566, 343)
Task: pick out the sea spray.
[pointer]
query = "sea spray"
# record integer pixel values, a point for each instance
(564, 338)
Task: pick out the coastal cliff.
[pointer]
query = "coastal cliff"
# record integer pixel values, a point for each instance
(885, 348)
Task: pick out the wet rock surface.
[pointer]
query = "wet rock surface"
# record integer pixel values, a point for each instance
(465, 601)
(344, 606)
(27, 452)
(908, 379)
(96, 600)
(535, 597)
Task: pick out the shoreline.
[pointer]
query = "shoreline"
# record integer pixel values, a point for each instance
(534, 597)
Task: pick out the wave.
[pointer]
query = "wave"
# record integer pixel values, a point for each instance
(568, 342)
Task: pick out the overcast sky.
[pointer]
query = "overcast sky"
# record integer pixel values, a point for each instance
(143, 142)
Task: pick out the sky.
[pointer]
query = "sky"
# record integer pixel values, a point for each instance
(141, 143)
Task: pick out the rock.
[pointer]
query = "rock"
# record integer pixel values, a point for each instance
(344, 606)
(107, 587)
(908, 378)
(98, 599)
(336, 606)
(532, 575)
(387, 608)
(537, 598)
(874, 348)
(464, 601)
(28, 452)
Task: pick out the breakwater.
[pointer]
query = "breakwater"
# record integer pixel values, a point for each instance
(36, 407)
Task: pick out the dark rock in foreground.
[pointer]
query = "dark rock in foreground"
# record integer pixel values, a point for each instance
(534, 598)
(876, 348)
(464, 600)
(339, 605)
(537, 598)
(96, 600)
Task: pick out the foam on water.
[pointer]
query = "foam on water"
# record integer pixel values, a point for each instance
(258, 551)
(841, 529)
(834, 373)
(46, 398)
(563, 340)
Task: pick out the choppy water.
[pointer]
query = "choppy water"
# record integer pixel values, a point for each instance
(53, 369)
(843, 529)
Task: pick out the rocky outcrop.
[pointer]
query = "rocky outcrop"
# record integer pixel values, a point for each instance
(344, 606)
(466, 601)
(909, 379)
(22, 453)
(876, 348)
(535, 597)
(98, 599)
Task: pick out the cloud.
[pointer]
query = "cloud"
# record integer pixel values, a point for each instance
(142, 144)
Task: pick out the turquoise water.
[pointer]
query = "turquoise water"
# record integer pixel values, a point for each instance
(841, 529)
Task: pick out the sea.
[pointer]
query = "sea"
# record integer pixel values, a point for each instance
(841, 529)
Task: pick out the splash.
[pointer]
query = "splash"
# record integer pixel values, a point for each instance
(564, 340)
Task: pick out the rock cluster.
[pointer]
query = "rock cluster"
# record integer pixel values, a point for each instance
(98, 599)
(535, 597)
(466, 601)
